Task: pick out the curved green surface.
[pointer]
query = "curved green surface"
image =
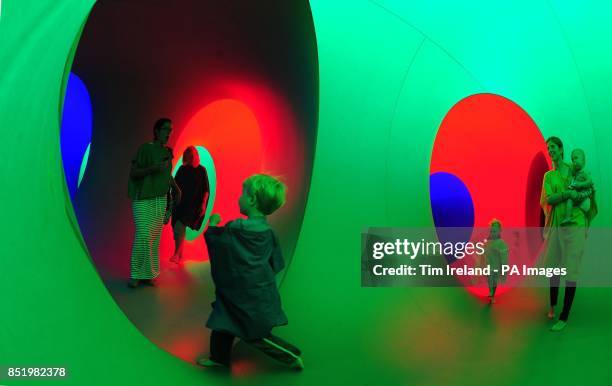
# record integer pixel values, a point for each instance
(389, 71)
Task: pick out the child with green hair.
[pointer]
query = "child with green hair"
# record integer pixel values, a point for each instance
(245, 257)
(496, 254)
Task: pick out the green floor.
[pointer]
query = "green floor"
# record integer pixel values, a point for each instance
(389, 71)
(394, 336)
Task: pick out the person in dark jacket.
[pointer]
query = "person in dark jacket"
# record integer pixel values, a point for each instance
(245, 257)
(192, 179)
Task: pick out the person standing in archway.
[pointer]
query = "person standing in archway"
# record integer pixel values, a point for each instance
(192, 180)
(149, 184)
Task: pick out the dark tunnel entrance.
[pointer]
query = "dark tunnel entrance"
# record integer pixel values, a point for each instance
(240, 81)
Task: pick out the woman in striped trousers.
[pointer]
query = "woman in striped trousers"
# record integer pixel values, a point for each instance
(149, 183)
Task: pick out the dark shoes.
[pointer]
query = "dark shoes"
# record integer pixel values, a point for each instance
(150, 282)
(133, 283)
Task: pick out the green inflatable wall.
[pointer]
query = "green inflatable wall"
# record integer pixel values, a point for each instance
(389, 72)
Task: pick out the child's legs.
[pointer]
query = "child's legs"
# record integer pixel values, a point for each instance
(221, 347)
(179, 237)
(277, 349)
(492, 284)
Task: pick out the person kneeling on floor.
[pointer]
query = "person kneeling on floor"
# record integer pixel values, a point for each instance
(245, 257)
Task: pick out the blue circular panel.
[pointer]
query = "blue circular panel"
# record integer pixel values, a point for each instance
(451, 207)
(451, 203)
(76, 129)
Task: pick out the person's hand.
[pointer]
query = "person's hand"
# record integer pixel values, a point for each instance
(573, 194)
(214, 220)
(160, 167)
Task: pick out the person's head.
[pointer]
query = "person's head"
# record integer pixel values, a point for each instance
(578, 159)
(262, 193)
(162, 129)
(191, 157)
(495, 229)
(555, 149)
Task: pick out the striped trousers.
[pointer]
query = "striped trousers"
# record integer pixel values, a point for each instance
(148, 221)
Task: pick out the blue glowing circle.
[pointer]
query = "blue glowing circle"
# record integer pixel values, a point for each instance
(75, 135)
(452, 208)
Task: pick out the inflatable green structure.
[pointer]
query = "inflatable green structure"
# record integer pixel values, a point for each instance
(389, 71)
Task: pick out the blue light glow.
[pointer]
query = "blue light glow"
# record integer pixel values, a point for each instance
(75, 136)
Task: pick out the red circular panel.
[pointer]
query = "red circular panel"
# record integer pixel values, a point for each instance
(494, 147)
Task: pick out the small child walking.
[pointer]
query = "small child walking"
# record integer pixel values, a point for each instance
(496, 253)
(245, 257)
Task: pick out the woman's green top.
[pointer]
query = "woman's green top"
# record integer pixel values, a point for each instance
(155, 184)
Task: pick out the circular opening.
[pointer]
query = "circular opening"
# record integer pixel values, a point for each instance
(75, 134)
(209, 165)
(239, 80)
(496, 151)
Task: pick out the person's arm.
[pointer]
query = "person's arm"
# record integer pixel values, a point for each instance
(503, 253)
(503, 257)
(581, 195)
(141, 165)
(277, 262)
(202, 208)
(214, 219)
(548, 197)
(203, 192)
(217, 242)
(555, 198)
(586, 184)
(176, 189)
(206, 191)
(137, 172)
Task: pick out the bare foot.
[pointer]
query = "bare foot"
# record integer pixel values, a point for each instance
(551, 313)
